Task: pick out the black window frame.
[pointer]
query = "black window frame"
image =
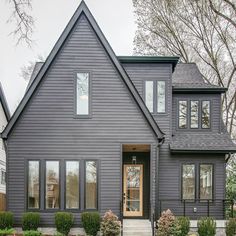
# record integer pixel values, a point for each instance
(199, 181)
(187, 114)
(97, 182)
(89, 115)
(45, 185)
(195, 182)
(210, 115)
(79, 185)
(27, 185)
(155, 93)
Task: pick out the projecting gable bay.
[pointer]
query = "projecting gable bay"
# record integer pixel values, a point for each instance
(51, 111)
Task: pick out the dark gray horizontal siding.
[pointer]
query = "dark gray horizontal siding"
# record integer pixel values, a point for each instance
(47, 128)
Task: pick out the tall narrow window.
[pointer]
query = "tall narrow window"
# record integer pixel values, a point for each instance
(188, 182)
(149, 95)
(33, 184)
(194, 115)
(82, 94)
(91, 185)
(183, 114)
(206, 184)
(52, 184)
(72, 184)
(205, 114)
(161, 96)
(3, 177)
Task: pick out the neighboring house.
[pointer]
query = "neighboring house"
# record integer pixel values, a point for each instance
(96, 132)
(4, 118)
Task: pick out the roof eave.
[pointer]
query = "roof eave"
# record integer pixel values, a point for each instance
(150, 59)
(199, 90)
(176, 151)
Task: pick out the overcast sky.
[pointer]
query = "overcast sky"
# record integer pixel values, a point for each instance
(115, 18)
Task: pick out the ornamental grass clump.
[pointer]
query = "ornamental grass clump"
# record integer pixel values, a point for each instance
(110, 225)
(6, 220)
(206, 226)
(168, 224)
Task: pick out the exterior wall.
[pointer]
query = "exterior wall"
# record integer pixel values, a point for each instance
(3, 123)
(48, 129)
(168, 183)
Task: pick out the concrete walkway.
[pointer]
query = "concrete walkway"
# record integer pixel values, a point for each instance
(133, 227)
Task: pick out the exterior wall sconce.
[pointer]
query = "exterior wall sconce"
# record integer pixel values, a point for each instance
(134, 159)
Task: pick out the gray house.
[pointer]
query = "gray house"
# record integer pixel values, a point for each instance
(136, 135)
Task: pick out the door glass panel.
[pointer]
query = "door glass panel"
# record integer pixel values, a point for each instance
(133, 190)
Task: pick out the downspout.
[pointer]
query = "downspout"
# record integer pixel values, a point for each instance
(160, 143)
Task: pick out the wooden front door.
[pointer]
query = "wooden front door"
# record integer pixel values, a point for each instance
(133, 190)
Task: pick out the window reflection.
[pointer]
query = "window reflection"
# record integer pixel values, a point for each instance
(182, 114)
(72, 184)
(194, 114)
(149, 95)
(52, 184)
(82, 107)
(33, 184)
(161, 96)
(205, 114)
(91, 185)
(188, 182)
(206, 174)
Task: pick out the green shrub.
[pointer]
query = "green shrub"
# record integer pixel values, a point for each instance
(30, 221)
(184, 225)
(58, 234)
(231, 227)
(206, 226)
(91, 222)
(32, 233)
(64, 221)
(110, 224)
(6, 220)
(9, 231)
(168, 224)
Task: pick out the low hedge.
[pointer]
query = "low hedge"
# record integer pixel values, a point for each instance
(30, 221)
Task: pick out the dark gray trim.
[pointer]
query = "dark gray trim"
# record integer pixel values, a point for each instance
(195, 180)
(83, 9)
(27, 184)
(4, 103)
(199, 90)
(199, 180)
(202, 151)
(79, 183)
(89, 93)
(97, 182)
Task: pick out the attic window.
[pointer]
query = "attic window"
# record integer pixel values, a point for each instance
(82, 94)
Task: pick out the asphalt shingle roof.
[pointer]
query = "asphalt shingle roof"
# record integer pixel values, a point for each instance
(204, 141)
(188, 76)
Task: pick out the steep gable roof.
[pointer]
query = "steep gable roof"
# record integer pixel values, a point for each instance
(83, 9)
(4, 103)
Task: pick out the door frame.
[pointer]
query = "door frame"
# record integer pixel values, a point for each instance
(139, 213)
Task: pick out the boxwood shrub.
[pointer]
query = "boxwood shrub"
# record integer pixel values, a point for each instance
(91, 222)
(6, 220)
(64, 222)
(30, 221)
(184, 225)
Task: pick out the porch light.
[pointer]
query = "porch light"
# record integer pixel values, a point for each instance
(134, 159)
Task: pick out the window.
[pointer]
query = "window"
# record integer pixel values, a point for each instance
(205, 114)
(72, 184)
(82, 94)
(91, 185)
(33, 184)
(188, 182)
(149, 95)
(52, 184)
(206, 181)
(194, 115)
(155, 99)
(183, 114)
(161, 96)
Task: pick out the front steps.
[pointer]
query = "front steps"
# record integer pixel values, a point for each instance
(133, 227)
